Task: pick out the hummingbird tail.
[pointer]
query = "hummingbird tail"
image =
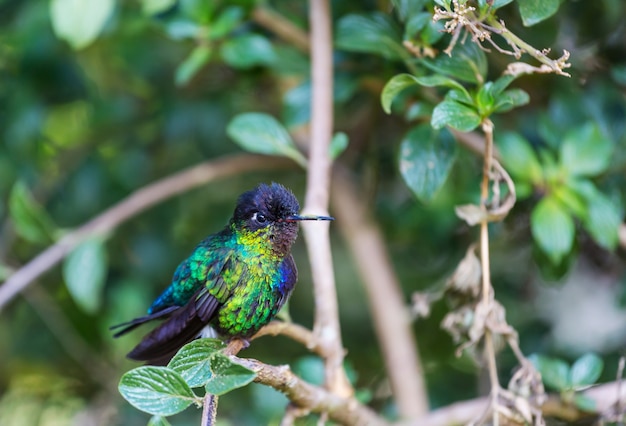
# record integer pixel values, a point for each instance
(132, 324)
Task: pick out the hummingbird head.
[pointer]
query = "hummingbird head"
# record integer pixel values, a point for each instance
(270, 213)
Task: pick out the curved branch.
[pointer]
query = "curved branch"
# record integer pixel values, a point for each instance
(295, 332)
(390, 314)
(316, 399)
(605, 396)
(131, 206)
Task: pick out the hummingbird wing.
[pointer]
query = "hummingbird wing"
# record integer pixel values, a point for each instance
(186, 322)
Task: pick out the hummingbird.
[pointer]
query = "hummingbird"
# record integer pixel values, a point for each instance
(236, 280)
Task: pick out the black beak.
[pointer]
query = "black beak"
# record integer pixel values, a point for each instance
(297, 218)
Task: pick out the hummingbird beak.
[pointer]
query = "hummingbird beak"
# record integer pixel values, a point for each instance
(297, 218)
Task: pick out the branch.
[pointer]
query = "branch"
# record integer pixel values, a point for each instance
(282, 27)
(605, 396)
(316, 399)
(317, 236)
(391, 318)
(295, 332)
(131, 206)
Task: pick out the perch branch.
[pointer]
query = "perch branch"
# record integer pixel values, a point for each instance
(344, 410)
(131, 206)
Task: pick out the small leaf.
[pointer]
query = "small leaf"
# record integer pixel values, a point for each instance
(554, 372)
(375, 33)
(159, 391)
(552, 228)
(586, 370)
(198, 57)
(158, 421)
(519, 158)
(261, 133)
(338, 144)
(585, 403)
(535, 11)
(456, 115)
(227, 375)
(402, 81)
(585, 151)
(154, 7)
(226, 22)
(248, 51)
(192, 361)
(510, 99)
(84, 271)
(31, 221)
(601, 218)
(467, 62)
(79, 22)
(426, 158)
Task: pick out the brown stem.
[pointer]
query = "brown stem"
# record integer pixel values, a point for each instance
(326, 325)
(344, 410)
(295, 332)
(282, 27)
(390, 314)
(605, 397)
(131, 206)
(487, 290)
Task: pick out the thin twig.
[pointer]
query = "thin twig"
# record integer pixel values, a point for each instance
(487, 290)
(130, 207)
(282, 27)
(326, 325)
(295, 332)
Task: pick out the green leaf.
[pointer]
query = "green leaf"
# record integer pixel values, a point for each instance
(192, 64)
(79, 22)
(375, 33)
(485, 100)
(585, 403)
(402, 81)
(154, 7)
(405, 9)
(585, 151)
(338, 144)
(192, 361)
(426, 158)
(248, 51)
(586, 370)
(466, 63)
(510, 99)
(226, 22)
(84, 271)
(554, 371)
(263, 134)
(535, 11)
(519, 158)
(456, 115)
(159, 391)
(227, 375)
(602, 217)
(158, 421)
(501, 83)
(31, 221)
(552, 228)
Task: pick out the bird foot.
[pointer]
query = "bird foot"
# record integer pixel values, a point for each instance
(235, 345)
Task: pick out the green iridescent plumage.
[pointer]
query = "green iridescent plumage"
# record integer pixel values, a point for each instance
(236, 280)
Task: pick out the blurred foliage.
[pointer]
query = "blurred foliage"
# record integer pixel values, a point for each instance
(99, 98)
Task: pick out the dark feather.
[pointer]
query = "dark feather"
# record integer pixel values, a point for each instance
(179, 329)
(131, 325)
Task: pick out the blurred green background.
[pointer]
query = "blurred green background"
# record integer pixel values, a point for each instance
(85, 119)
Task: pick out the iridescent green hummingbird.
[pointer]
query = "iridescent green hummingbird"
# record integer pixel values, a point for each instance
(235, 280)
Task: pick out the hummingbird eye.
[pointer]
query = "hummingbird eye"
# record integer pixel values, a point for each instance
(259, 218)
